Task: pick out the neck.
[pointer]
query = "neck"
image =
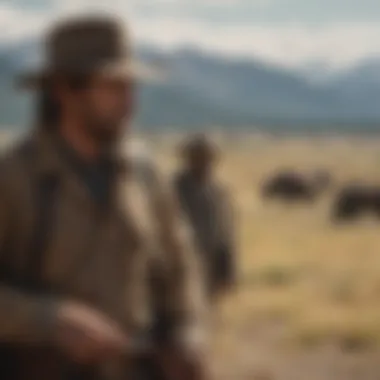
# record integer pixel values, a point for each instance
(74, 134)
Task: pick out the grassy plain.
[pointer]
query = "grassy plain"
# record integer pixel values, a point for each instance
(308, 288)
(307, 306)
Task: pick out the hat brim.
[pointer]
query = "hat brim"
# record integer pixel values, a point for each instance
(136, 70)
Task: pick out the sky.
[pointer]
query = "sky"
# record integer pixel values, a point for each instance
(291, 33)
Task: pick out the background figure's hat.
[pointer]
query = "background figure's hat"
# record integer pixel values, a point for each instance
(86, 45)
(199, 144)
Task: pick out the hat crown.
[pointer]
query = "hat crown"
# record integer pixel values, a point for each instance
(85, 46)
(86, 43)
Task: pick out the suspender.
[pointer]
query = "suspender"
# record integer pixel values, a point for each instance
(44, 196)
(44, 202)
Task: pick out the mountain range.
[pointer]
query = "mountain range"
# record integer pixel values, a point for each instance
(205, 90)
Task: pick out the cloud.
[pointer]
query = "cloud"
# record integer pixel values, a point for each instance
(337, 44)
(12, 28)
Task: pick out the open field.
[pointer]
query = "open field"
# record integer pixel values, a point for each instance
(308, 302)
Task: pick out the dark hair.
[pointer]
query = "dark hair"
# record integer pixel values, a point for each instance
(48, 112)
(48, 108)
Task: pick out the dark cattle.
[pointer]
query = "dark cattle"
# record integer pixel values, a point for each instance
(355, 201)
(292, 186)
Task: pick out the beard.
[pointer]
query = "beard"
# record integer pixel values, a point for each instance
(106, 133)
(105, 129)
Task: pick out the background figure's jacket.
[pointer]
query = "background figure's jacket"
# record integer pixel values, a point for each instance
(209, 211)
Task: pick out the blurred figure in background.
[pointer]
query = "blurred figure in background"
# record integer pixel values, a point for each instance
(79, 228)
(207, 205)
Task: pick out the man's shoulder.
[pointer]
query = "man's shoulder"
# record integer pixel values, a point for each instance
(137, 149)
(142, 162)
(14, 162)
(220, 190)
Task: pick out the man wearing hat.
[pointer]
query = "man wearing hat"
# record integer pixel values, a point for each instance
(205, 201)
(80, 225)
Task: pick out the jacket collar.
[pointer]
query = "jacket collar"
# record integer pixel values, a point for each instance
(50, 161)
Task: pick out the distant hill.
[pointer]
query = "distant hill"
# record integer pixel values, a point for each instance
(206, 90)
(360, 88)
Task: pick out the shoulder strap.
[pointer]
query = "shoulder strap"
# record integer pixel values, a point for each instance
(44, 195)
(44, 202)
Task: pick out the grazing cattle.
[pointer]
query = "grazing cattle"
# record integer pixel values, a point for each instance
(291, 186)
(356, 200)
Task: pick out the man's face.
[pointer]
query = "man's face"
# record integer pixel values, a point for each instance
(105, 106)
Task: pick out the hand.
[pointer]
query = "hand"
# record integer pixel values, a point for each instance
(86, 335)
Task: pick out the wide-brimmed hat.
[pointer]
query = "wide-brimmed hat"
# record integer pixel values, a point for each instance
(87, 45)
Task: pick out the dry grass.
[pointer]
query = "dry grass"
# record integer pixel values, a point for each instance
(304, 282)
(295, 265)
